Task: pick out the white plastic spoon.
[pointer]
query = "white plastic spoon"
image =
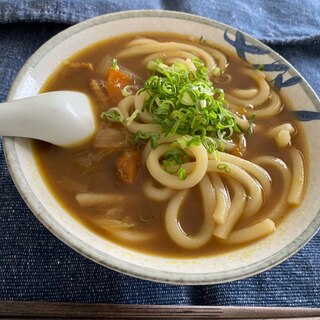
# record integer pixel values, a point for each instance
(63, 118)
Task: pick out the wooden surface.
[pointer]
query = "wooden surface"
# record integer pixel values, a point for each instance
(42, 310)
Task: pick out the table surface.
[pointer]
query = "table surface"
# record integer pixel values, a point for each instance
(34, 265)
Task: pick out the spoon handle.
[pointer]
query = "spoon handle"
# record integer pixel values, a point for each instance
(19, 118)
(63, 118)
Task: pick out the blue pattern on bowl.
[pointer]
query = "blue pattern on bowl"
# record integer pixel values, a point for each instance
(303, 115)
(242, 48)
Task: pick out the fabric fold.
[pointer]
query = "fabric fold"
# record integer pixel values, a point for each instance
(288, 21)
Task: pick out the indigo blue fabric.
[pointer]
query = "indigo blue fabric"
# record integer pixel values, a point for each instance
(34, 265)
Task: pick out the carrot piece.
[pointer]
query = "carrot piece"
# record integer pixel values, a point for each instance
(116, 81)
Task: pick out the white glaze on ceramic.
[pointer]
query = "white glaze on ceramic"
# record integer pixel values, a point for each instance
(300, 226)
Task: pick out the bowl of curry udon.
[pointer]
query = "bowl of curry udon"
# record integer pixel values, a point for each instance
(200, 170)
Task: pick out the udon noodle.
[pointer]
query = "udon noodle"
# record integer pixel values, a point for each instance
(241, 180)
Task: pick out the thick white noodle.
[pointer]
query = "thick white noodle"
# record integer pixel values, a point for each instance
(145, 117)
(168, 46)
(120, 230)
(138, 105)
(143, 127)
(222, 199)
(133, 235)
(162, 140)
(126, 105)
(242, 123)
(172, 218)
(255, 198)
(139, 100)
(279, 208)
(224, 78)
(258, 172)
(283, 139)
(208, 195)
(298, 178)
(219, 56)
(245, 93)
(180, 60)
(146, 151)
(274, 131)
(94, 199)
(270, 108)
(242, 97)
(187, 62)
(169, 55)
(140, 42)
(257, 231)
(156, 193)
(282, 134)
(172, 181)
(235, 212)
(241, 145)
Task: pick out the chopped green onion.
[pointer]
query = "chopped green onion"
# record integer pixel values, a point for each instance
(182, 174)
(173, 159)
(260, 67)
(115, 64)
(217, 72)
(185, 102)
(182, 100)
(151, 136)
(224, 167)
(134, 116)
(127, 90)
(250, 127)
(113, 115)
(154, 140)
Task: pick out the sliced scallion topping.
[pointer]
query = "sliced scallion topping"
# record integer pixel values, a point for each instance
(115, 64)
(250, 127)
(182, 100)
(185, 102)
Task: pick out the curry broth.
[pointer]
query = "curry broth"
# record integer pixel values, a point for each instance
(66, 176)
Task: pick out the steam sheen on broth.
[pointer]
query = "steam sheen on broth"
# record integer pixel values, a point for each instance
(195, 152)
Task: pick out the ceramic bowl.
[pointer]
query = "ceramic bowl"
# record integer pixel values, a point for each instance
(291, 235)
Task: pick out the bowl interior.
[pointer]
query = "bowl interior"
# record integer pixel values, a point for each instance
(292, 234)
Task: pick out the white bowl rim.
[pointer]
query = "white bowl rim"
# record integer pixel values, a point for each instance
(114, 263)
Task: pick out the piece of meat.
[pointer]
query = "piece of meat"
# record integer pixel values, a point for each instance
(99, 92)
(128, 165)
(111, 137)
